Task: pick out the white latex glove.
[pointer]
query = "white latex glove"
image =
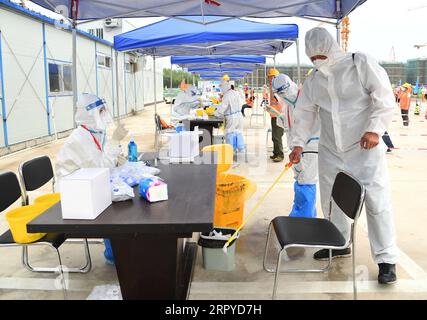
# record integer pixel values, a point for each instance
(119, 133)
(121, 160)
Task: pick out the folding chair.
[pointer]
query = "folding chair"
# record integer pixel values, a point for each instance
(34, 174)
(10, 192)
(159, 132)
(349, 195)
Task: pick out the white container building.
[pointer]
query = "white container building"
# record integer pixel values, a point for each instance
(35, 77)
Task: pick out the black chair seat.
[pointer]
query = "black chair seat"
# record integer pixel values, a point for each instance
(55, 239)
(307, 231)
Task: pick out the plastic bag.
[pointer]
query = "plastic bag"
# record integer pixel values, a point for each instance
(133, 172)
(120, 191)
(153, 189)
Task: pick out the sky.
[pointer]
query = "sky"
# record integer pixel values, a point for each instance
(375, 28)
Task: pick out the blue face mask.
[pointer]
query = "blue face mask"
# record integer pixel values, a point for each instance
(100, 136)
(291, 102)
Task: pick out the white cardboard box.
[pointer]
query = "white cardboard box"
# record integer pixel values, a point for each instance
(85, 193)
(184, 146)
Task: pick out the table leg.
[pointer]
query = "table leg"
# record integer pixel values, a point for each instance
(153, 266)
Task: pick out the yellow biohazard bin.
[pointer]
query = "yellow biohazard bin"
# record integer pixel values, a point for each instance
(224, 159)
(231, 192)
(50, 198)
(18, 219)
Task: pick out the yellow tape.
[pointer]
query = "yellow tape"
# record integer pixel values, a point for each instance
(288, 165)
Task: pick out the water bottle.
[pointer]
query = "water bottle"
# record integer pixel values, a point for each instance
(132, 151)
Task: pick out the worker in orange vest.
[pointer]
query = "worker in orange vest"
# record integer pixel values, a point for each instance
(276, 131)
(249, 103)
(265, 97)
(405, 102)
(246, 90)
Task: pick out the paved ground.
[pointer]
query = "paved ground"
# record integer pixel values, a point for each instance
(408, 172)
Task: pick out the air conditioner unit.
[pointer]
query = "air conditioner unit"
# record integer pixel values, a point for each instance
(112, 23)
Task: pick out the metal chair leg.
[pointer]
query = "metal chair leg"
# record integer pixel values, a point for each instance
(354, 272)
(276, 277)
(266, 248)
(85, 269)
(61, 270)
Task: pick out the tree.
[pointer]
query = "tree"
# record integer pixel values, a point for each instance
(177, 77)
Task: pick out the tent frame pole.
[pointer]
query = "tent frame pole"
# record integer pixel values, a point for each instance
(298, 62)
(74, 70)
(155, 86)
(338, 22)
(117, 85)
(171, 77)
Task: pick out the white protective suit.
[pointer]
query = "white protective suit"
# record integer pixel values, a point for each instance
(185, 101)
(87, 147)
(351, 96)
(230, 108)
(287, 94)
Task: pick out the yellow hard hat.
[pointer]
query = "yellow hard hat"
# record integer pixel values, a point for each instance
(407, 85)
(273, 72)
(226, 77)
(246, 84)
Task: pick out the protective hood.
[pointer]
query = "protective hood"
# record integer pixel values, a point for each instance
(285, 88)
(191, 91)
(92, 112)
(318, 41)
(225, 86)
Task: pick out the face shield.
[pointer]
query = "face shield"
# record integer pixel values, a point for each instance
(92, 112)
(285, 89)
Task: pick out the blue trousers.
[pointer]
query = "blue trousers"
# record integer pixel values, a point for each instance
(236, 140)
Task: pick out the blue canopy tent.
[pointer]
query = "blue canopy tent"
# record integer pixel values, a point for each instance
(212, 62)
(89, 10)
(101, 9)
(219, 70)
(217, 61)
(219, 76)
(239, 36)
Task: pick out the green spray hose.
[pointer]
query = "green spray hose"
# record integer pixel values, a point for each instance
(288, 165)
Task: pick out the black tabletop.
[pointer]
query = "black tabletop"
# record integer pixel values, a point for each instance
(190, 208)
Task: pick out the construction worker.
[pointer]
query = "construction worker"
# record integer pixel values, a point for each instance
(276, 131)
(417, 109)
(246, 90)
(249, 103)
(405, 102)
(265, 96)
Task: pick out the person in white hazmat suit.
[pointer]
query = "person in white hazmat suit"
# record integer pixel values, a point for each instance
(352, 95)
(87, 146)
(185, 101)
(230, 109)
(305, 172)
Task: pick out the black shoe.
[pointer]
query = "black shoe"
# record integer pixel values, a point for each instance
(387, 273)
(273, 156)
(324, 254)
(278, 158)
(389, 150)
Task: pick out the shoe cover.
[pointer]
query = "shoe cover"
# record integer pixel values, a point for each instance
(108, 252)
(304, 201)
(240, 143)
